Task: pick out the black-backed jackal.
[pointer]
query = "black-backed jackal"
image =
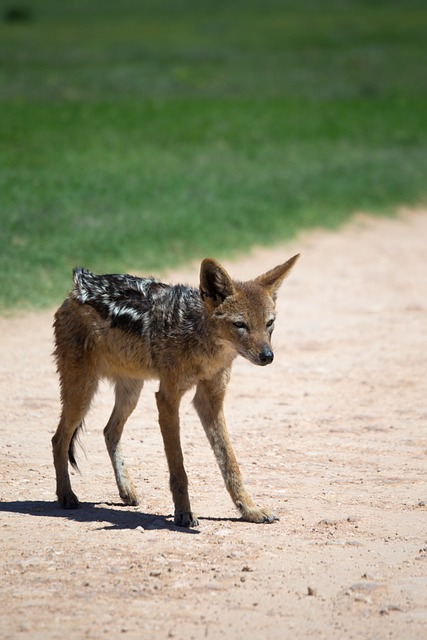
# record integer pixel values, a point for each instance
(128, 330)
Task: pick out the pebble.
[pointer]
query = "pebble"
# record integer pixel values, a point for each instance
(364, 599)
(364, 586)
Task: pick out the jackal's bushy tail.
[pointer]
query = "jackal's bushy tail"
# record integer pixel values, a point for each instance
(72, 448)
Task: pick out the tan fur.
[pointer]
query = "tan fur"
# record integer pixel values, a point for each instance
(230, 318)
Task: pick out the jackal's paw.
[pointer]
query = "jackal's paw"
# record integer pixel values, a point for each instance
(130, 498)
(185, 519)
(256, 514)
(68, 501)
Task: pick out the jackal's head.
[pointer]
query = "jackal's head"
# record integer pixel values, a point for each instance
(243, 313)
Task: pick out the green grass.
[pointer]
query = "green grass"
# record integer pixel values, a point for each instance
(136, 135)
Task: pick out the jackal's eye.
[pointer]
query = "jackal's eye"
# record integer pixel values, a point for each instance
(270, 323)
(240, 325)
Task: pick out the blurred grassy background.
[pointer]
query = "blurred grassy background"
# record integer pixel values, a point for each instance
(142, 133)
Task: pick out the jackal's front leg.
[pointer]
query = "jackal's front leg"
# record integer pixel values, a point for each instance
(168, 399)
(209, 405)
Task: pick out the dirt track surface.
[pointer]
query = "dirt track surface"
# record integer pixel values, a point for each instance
(332, 435)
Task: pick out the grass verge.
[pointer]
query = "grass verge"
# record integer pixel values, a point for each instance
(141, 137)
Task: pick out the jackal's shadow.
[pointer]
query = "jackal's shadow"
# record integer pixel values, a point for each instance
(110, 516)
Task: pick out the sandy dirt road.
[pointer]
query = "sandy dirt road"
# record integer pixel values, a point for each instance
(332, 435)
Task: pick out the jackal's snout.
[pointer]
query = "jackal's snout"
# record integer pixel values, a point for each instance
(266, 356)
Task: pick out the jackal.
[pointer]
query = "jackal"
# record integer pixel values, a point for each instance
(129, 330)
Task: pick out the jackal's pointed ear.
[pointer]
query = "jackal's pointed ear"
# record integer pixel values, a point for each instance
(271, 280)
(215, 283)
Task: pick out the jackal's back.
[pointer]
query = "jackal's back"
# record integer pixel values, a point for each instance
(134, 327)
(146, 307)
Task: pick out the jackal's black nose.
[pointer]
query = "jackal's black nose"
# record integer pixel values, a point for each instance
(266, 356)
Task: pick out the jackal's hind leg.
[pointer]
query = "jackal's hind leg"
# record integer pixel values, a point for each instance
(77, 394)
(61, 441)
(208, 402)
(127, 392)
